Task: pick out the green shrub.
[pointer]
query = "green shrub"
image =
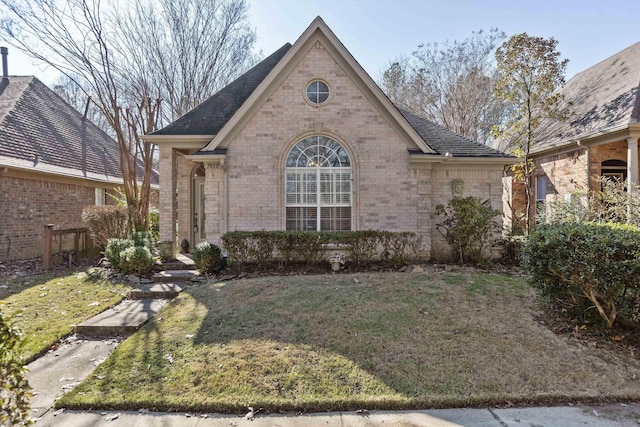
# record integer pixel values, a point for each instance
(399, 248)
(154, 223)
(309, 246)
(136, 260)
(145, 239)
(362, 245)
(206, 256)
(106, 222)
(511, 250)
(114, 248)
(287, 244)
(586, 266)
(467, 224)
(14, 388)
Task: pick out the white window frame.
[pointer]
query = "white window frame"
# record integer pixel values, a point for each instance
(100, 198)
(308, 193)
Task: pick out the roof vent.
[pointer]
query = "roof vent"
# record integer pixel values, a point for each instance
(5, 69)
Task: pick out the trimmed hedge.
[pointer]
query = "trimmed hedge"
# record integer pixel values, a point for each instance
(587, 265)
(362, 246)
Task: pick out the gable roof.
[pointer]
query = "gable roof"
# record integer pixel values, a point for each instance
(444, 141)
(602, 98)
(39, 131)
(217, 115)
(209, 117)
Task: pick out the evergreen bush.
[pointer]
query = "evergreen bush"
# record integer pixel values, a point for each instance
(206, 256)
(587, 265)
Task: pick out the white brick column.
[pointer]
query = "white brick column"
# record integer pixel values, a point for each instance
(632, 161)
(168, 203)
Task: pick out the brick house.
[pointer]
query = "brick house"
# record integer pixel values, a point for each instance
(306, 140)
(600, 137)
(53, 163)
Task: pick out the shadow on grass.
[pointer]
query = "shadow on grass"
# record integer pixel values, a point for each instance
(341, 342)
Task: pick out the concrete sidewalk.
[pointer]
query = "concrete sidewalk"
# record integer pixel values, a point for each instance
(615, 415)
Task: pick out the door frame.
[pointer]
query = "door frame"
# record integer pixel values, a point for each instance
(198, 233)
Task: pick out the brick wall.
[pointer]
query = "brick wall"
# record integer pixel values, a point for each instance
(384, 191)
(566, 174)
(387, 193)
(26, 205)
(601, 153)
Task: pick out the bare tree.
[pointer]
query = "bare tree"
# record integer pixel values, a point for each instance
(185, 50)
(127, 60)
(76, 96)
(450, 84)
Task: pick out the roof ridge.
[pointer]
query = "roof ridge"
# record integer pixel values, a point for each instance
(4, 112)
(603, 60)
(226, 89)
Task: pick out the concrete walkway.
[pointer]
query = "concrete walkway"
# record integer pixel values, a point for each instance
(601, 416)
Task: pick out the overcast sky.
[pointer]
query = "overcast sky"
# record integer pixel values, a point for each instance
(378, 31)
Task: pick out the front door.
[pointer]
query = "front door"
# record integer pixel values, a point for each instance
(199, 234)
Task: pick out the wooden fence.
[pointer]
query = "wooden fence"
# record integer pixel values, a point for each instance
(53, 238)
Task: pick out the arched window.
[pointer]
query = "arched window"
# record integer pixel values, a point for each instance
(614, 169)
(318, 186)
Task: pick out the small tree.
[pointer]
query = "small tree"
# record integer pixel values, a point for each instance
(467, 226)
(529, 73)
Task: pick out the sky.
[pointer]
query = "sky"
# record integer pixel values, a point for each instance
(378, 31)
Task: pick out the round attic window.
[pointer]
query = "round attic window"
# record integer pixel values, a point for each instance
(317, 92)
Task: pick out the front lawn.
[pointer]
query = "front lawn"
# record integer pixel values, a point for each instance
(47, 307)
(339, 342)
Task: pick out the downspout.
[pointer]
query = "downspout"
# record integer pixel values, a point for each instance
(225, 202)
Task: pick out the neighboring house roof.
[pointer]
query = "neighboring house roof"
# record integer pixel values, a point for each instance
(603, 98)
(41, 132)
(210, 116)
(444, 141)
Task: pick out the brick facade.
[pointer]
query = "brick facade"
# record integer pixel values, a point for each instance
(247, 191)
(570, 173)
(26, 205)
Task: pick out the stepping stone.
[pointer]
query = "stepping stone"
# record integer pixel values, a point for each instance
(182, 262)
(158, 291)
(175, 275)
(123, 319)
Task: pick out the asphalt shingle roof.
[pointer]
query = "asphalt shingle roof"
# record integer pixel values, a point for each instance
(42, 132)
(211, 116)
(443, 141)
(603, 97)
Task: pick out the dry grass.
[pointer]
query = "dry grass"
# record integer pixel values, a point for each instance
(47, 307)
(336, 342)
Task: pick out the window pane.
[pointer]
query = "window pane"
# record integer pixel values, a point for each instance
(302, 219)
(322, 87)
(335, 219)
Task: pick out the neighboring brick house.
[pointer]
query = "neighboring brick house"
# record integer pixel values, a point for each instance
(53, 163)
(306, 140)
(599, 138)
